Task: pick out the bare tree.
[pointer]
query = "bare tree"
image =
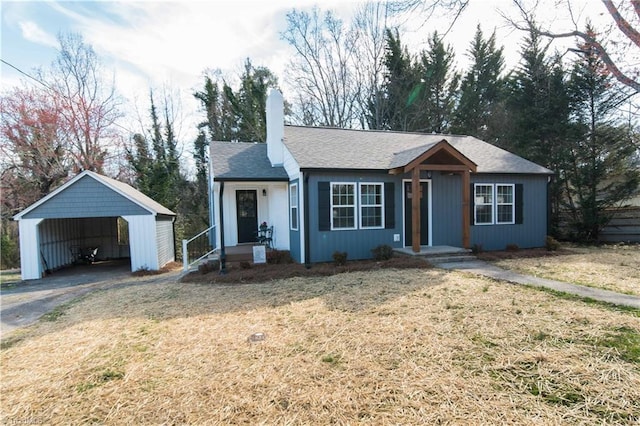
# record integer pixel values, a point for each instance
(324, 68)
(625, 42)
(33, 146)
(88, 101)
(370, 22)
(427, 9)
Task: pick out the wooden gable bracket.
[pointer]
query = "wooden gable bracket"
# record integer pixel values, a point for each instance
(461, 164)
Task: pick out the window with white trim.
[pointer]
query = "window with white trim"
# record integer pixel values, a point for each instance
(343, 206)
(293, 206)
(371, 205)
(483, 201)
(494, 204)
(505, 204)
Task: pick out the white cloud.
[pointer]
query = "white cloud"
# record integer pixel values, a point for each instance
(32, 32)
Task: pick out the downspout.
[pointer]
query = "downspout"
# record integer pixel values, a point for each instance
(223, 256)
(307, 245)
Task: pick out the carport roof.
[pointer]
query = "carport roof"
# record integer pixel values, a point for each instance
(121, 188)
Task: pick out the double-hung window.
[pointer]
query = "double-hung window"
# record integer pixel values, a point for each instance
(293, 206)
(371, 205)
(343, 206)
(505, 205)
(483, 199)
(494, 204)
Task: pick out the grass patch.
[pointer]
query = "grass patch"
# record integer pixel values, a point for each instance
(56, 313)
(10, 279)
(625, 341)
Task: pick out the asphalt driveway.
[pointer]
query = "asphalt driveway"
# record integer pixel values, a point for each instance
(24, 303)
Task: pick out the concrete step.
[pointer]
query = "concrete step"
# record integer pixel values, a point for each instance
(451, 258)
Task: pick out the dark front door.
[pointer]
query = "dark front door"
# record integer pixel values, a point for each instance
(424, 214)
(247, 211)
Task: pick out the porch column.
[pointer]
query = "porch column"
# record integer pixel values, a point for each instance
(415, 210)
(466, 214)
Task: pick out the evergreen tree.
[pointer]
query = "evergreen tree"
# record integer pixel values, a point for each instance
(600, 169)
(439, 83)
(158, 170)
(237, 115)
(400, 81)
(481, 91)
(539, 114)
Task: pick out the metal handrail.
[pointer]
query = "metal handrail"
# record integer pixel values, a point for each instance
(186, 263)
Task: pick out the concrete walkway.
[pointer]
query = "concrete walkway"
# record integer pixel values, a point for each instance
(480, 267)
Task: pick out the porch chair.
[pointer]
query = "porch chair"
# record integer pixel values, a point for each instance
(265, 236)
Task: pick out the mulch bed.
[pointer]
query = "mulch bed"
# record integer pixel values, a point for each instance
(491, 256)
(244, 272)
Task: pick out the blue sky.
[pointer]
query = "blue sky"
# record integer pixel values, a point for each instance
(155, 44)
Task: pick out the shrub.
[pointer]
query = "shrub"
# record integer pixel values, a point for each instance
(551, 244)
(9, 254)
(512, 247)
(277, 257)
(245, 265)
(476, 249)
(209, 266)
(382, 252)
(340, 258)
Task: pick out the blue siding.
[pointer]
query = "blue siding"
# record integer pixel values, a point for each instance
(446, 209)
(294, 236)
(532, 231)
(86, 198)
(359, 242)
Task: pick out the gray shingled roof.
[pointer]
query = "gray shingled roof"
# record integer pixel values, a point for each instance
(331, 148)
(243, 161)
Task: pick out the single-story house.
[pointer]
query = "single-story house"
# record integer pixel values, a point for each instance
(92, 210)
(328, 189)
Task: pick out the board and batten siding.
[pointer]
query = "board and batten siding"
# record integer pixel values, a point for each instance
(273, 208)
(164, 240)
(446, 209)
(358, 243)
(86, 198)
(532, 231)
(142, 242)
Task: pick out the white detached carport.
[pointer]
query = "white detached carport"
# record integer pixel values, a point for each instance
(85, 212)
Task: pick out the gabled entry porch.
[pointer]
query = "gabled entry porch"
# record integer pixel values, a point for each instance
(438, 158)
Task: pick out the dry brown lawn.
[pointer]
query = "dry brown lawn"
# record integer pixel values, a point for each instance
(414, 346)
(611, 267)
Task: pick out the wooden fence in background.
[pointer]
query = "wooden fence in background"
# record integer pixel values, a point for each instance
(624, 226)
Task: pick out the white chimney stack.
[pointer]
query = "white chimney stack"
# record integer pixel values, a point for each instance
(275, 127)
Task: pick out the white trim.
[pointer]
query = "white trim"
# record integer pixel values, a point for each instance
(291, 207)
(492, 204)
(381, 205)
(429, 210)
(513, 204)
(98, 178)
(301, 214)
(354, 205)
